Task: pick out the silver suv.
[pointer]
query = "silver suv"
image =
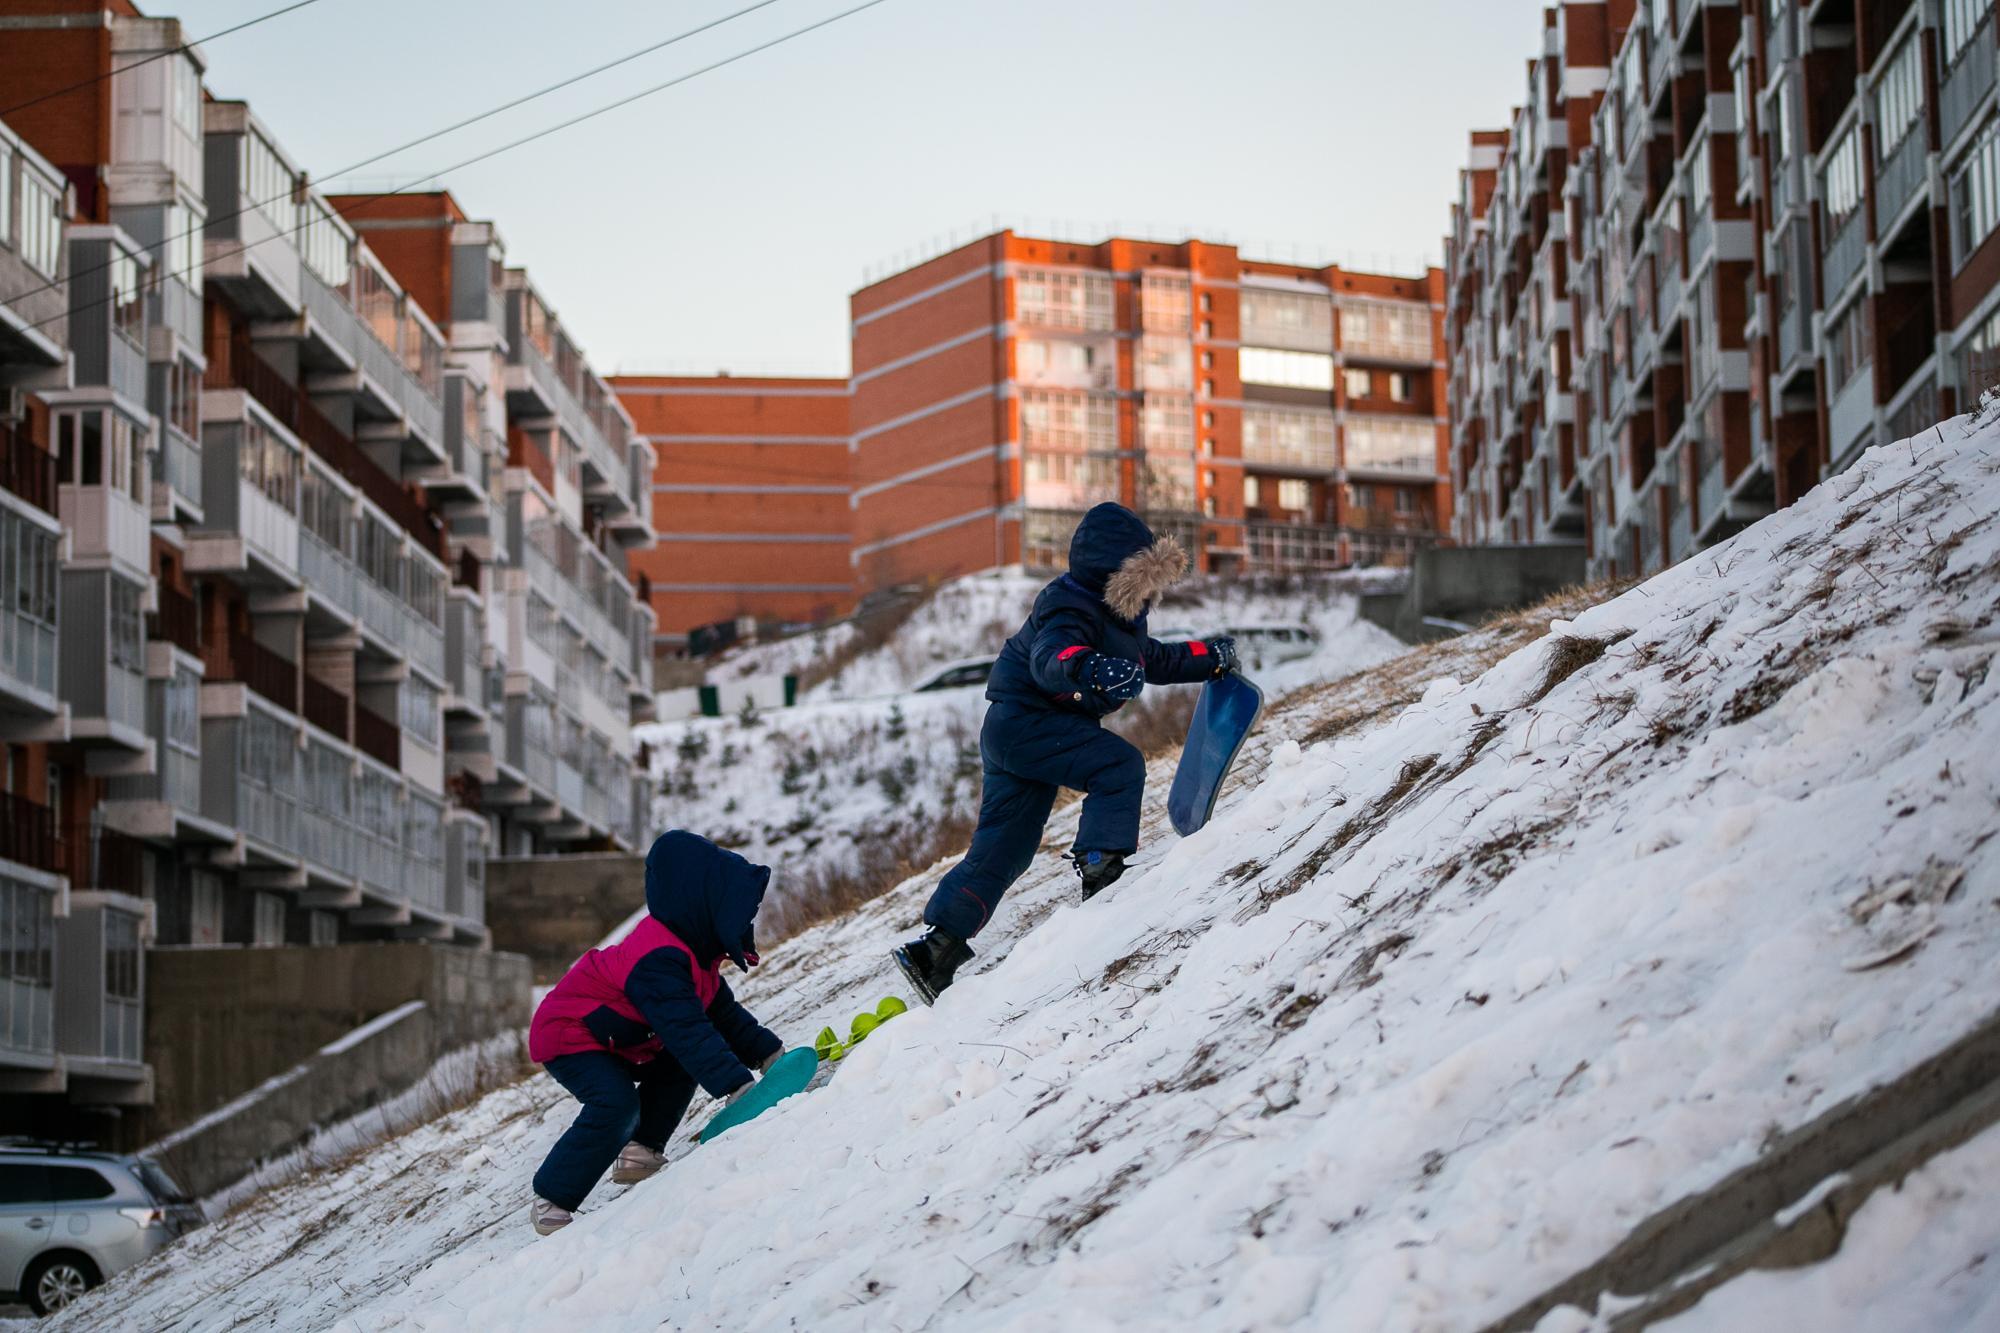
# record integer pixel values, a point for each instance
(70, 1218)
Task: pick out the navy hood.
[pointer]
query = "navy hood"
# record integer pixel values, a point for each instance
(706, 895)
(1109, 535)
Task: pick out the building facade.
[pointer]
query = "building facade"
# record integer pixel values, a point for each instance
(1275, 417)
(272, 569)
(1777, 238)
(750, 498)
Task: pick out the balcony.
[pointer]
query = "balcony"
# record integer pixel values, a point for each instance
(34, 305)
(377, 737)
(537, 388)
(107, 318)
(250, 526)
(177, 480)
(1900, 177)
(108, 523)
(29, 836)
(166, 804)
(465, 865)
(27, 470)
(1291, 547)
(104, 668)
(346, 355)
(1967, 85)
(268, 673)
(100, 971)
(27, 993)
(252, 255)
(30, 699)
(326, 707)
(329, 576)
(1914, 409)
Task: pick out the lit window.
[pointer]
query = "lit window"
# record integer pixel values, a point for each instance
(1399, 387)
(1294, 494)
(1283, 369)
(1359, 383)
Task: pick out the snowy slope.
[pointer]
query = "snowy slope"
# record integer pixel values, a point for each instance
(844, 793)
(1443, 1002)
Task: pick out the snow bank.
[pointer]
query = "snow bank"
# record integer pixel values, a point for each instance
(1439, 1006)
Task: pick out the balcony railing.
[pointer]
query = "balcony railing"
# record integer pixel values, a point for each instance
(265, 671)
(28, 834)
(289, 404)
(1966, 84)
(326, 707)
(1285, 547)
(176, 621)
(327, 571)
(1898, 179)
(377, 737)
(1917, 411)
(27, 470)
(178, 466)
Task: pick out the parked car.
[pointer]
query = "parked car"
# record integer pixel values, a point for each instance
(957, 675)
(1258, 645)
(70, 1218)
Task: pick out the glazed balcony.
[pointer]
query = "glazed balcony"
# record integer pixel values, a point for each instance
(1292, 547)
(388, 364)
(104, 669)
(547, 377)
(100, 970)
(166, 804)
(251, 248)
(1967, 85)
(107, 319)
(27, 994)
(34, 275)
(31, 706)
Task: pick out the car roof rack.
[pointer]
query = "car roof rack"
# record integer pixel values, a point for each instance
(26, 1143)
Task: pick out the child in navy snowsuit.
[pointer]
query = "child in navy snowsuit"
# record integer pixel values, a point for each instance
(1082, 654)
(631, 1029)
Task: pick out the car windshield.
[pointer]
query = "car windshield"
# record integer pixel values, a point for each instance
(157, 1182)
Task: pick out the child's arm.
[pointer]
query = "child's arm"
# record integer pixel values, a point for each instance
(752, 1042)
(1065, 641)
(661, 986)
(1186, 663)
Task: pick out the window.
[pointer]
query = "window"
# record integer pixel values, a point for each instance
(1406, 501)
(375, 300)
(24, 1183)
(1399, 388)
(1068, 481)
(184, 391)
(1979, 359)
(180, 255)
(121, 959)
(27, 937)
(28, 569)
(1391, 444)
(1163, 302)
(426, 589)
(1288, 370)
(1064, 299)
(1847, 343)
(1294, 494)
(323, 928)
(380, 553)
(269, 464)
(128, 638)
(1207, 302)
(325, 245)
(267, 920)
(324, 509)
(204, 907)
(1253, 492)
(6, 194)
(1962, 18)
(98, 448)
(41, 226)
(1165, 363)
(1899, 97)
(1046, 359)
(270, 183)
(1975, 195)
(1289, 438)
(421, 712)
(1166, 424)
(1287, 319)
(75, 1184)
(1843, 181)
(180, 697)
(128, 304)
(1077, 421)
(1393, 330)
(1359, 383)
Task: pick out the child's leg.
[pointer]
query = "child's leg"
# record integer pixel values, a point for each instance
(603, 1083)
(664, 1092)
(1012, 814)
(1106, 767)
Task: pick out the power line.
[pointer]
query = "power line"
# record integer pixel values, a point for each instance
(607, 108)
(416, 142)
(158, 55)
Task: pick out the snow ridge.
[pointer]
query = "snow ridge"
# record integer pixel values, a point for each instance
(1430, 1016)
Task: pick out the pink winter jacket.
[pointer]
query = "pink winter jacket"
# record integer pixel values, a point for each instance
(564, 1022)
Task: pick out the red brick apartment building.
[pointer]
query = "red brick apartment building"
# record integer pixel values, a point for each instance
(750, 497)
(1276, 417)
(1721, 250)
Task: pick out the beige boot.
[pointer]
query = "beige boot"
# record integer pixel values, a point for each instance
(548, 1218)
(636, 1162)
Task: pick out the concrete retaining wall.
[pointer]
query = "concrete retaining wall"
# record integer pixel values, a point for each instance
(1462, 585)
(552, 908)
(221, 1021)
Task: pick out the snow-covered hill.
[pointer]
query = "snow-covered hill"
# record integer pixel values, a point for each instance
(1463, 982)
(846, 796)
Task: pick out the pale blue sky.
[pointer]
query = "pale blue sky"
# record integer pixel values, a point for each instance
(722, 224)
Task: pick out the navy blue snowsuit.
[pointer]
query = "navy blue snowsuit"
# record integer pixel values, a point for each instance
(1042, 731)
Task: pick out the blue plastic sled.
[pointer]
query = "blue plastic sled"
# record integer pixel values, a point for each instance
(1223, 719)
(787, 1077)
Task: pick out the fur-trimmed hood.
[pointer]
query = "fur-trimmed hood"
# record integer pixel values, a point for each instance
(1115, 555)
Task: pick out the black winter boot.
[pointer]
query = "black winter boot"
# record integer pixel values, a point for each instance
(931, 962)
(1098, 871)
